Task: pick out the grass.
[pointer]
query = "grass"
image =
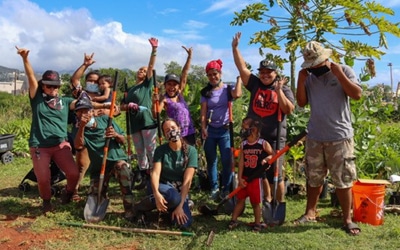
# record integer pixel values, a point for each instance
(323, 235)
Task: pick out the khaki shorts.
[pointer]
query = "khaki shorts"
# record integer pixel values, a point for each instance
(336, 158)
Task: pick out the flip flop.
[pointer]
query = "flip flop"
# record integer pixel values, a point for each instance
(350, 227)
(304, 220)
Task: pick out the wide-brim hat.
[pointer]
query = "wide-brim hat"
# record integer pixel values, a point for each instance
(50, 77)
(314, 53)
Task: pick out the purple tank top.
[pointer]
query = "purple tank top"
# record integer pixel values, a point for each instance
(179, 111)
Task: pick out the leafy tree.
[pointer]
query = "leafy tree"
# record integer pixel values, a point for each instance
(335, 23)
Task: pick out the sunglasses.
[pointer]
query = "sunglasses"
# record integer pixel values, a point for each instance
(51, 87)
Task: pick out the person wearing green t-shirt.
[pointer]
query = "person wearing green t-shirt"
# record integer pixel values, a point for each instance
(138, 103)
(174, 166)
(48, 140)
(92, 134)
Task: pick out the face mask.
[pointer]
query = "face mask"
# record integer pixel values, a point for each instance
(54, 102)
(92, 87)
(244, 133)
(173, 135)
(319, 71)
(90, 123)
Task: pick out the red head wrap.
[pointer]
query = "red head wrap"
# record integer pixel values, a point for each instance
(214, 64)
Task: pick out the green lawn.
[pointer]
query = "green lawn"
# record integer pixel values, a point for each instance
(325, 234)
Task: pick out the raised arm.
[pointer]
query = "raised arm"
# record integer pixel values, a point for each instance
(76, 77)
(237, 91)
(186, 67)
(154, 44)
(350, 88)
(301, 94)
(239, 61)
(30, 74)
(285, 104)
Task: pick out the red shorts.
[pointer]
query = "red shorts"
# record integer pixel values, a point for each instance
(253, 190)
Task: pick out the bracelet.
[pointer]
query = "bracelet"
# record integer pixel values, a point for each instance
(154, 53)
(104, 105)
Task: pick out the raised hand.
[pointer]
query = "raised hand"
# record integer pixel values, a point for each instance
(154, 42)
(22, 52)
(88, 59)
(236, 39)
(188, 50)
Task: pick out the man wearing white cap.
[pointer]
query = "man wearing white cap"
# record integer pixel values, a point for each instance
(327, 87)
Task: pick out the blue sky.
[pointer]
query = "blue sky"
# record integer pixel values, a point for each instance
(58, 33)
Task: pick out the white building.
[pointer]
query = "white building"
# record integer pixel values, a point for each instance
(13, 85)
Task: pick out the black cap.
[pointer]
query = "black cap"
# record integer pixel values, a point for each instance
(51, 77)
(267, 64)
(83, 102)
(172, 77)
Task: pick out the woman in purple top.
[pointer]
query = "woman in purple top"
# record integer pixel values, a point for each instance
(215, 126)
(174, 103)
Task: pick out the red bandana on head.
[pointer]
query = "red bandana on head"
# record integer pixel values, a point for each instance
(214, 64)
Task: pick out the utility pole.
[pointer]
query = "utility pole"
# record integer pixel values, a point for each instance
(15, 83)
(391, 79)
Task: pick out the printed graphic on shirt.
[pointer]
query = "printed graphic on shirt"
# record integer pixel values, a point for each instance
(265, 102)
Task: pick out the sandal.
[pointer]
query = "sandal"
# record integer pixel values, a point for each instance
(352, 229)
(304, 220)
(233, 224)
(252, 224)
(256, 228)
(76, 198)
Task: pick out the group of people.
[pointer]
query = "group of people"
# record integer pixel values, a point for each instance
(324, 85)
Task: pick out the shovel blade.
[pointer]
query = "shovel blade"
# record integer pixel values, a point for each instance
(206, 210)
(274, 215)
(95, 210)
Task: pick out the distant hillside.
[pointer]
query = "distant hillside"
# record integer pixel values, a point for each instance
(7, 70)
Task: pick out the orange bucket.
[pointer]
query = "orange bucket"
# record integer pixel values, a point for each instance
(368, 203)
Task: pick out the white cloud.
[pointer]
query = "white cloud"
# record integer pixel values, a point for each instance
(227, 6)
(168, 11)
(195, 24)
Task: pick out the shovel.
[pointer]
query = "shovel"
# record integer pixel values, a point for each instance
(230, 205)
(96, 207)
(206, 210)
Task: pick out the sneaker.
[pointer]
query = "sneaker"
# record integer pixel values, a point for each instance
(191, 205)
(47, 207)
(66, 196)
(214, 194)
(224, 194)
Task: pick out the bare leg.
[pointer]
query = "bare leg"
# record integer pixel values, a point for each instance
(312, 200)
(345, 199)
(83, 162)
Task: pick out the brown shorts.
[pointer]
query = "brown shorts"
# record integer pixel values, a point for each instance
(336, 158)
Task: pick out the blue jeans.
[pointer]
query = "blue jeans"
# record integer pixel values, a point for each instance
(173, 197)
(219, 137)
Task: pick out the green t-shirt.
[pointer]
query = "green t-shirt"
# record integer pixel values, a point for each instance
(141, 95)
(172, 168)
(95, 142)
(49, 126)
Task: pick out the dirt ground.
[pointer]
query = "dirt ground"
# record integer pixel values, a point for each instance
(15, 233)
